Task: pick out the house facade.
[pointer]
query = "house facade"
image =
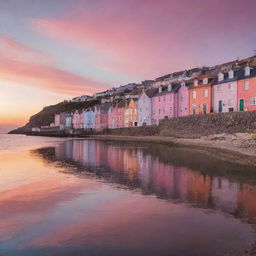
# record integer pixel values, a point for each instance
(77, 119)
(225, 92)
(164, 103)
(88, 119)
(120, 110)
(145, 106)
(112, 117)
(246, 92)
(68, 120)
(131, 114)
(183, 99)
(60, 120)
(200, 95)
(101, 116)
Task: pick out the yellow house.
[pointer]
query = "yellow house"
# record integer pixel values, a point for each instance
(131, 114)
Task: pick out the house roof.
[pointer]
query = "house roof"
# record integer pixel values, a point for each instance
(252, 73)
(151, 92)
(237, 74)
(175, 87)
(121, 104)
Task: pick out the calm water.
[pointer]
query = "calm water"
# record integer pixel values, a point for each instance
(86, 197)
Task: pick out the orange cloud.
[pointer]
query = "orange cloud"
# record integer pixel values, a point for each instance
(46, 77)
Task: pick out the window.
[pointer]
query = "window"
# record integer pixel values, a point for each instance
(246, 84)
(247, 71)
(204, 108)
(159, 99)
(181, 98)
(253, 101)
(170, 97)
(206, 93)
(218, 88)
(231, 74)
(170, 110)
(205, 80)
(159, 111)
(231, 87)
(196, 83)
(230, 102)
(193, 95)
(163, 109)
(220, 77)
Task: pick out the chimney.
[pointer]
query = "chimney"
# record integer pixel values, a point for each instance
(169, 87)
(247, 71)
(220, 77)
(231, 74)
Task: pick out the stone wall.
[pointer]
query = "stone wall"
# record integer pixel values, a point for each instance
(195, 126)
(214, 123)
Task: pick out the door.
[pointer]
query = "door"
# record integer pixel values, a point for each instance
(205, 108)
(241, 105)
(220, 106)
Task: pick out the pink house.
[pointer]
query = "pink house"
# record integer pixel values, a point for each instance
(183, 99)
(78, 119)
(119, 113)
(116, 115)
(164, 103)
(225, 92)
(112, 117)
(101, 116)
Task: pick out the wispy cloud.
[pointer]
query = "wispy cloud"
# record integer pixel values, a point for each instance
(148, 38)
(25, 66)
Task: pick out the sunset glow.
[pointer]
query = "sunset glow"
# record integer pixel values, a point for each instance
(55, 50)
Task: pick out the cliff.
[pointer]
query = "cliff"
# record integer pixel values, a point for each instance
(46, 115)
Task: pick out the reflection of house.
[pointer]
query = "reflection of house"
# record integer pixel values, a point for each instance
(224, 195)
(199, 188)
(137, 167)
(246, 200)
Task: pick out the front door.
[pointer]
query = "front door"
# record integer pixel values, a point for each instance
(205, 108)
(241, 105)
(220, 106)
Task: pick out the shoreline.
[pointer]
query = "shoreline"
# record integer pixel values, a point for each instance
(228, 151)
(214, 145)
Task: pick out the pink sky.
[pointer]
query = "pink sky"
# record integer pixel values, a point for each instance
(57, 52)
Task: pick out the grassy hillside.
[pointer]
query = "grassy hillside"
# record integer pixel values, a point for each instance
(46, 115)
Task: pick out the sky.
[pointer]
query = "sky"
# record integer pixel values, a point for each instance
(55, 50)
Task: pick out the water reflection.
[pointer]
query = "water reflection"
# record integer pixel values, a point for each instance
(172, 174)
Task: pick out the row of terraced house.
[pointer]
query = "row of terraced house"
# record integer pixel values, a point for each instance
(223, 88)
